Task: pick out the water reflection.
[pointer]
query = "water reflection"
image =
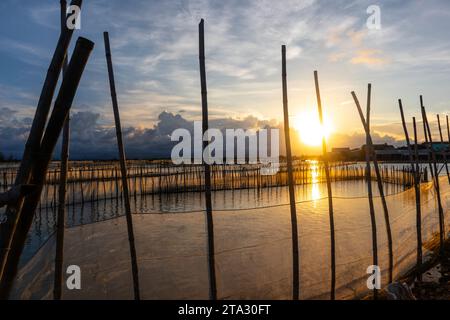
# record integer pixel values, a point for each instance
(314, 172)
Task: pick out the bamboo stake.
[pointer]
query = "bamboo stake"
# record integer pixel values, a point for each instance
(416, 185)
(295, 250)
(59, 255)
(380, 185)
(444, 156)
(12, 213)
(209, 216)
(123, 169)
(370, 192)
(330, 195)
(436, 177)
(56, 122)
(419, 215)
(448, 130)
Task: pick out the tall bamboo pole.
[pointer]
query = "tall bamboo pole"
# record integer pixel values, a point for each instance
(56, 122)
(13, 212)
(60, 224)
(419, 214)
(379, 184)
(295, 251)
(209, 216)
(330, 194)
(123, 168)
(416, 184)
(436, 176)
(448, 130)
(373, 221)
(444, 156)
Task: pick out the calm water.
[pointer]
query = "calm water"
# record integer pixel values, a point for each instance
(44, 222)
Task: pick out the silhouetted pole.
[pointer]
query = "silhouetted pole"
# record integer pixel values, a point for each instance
(12, 213)
(436, 176)
(42, 160)
(373, 221)
(448, 131)
(416, 185)
(419, 214)
(444, 156)
(61, 218)
(295, 251)
(379, 184)
(209, 216)
(330, 195)
(123, 169)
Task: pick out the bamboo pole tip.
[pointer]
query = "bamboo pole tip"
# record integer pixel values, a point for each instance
(85, 43)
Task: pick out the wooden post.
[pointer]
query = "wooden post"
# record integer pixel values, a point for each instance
(123, 168)
(60, 224)
(379, 183)
(209, 216)
(56, 122)
(370, 191)
(295, 251)
(330, 195)
(416, 176)
(12, 213)
(436, 177)
(448, 130)
(444, 156)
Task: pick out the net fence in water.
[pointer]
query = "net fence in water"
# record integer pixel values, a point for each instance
(253, 251)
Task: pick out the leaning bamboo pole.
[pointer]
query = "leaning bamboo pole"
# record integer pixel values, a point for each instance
(60, 224)
(329, 192)
(209, 216)
(373, 221)
(13, 211)
(55, 124)
(443, 153)
(416, 174)
(436, 176)
(379, 184)
(294, 226)
(123, 169)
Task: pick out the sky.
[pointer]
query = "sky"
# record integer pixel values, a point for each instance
(155, 56)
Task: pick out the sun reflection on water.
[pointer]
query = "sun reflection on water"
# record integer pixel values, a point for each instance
(315, 173)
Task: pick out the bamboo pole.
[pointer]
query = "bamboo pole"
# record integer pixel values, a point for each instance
(436, 177)
(379, 183)
(419, 215)
(123, 169)
(329, 191)
(60, 225)
(444, 156)
(56, 122)
(209, 216)
(12, 213)
(370, 191)
(416, 175)
(295, 250)
(448, 130)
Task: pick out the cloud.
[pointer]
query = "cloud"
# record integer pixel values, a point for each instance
(369, 57)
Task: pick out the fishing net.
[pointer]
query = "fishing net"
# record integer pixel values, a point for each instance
(253, 251)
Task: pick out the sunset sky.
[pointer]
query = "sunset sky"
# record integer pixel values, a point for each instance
(155, 55)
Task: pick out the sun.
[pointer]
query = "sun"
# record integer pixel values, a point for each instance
(308, 126)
